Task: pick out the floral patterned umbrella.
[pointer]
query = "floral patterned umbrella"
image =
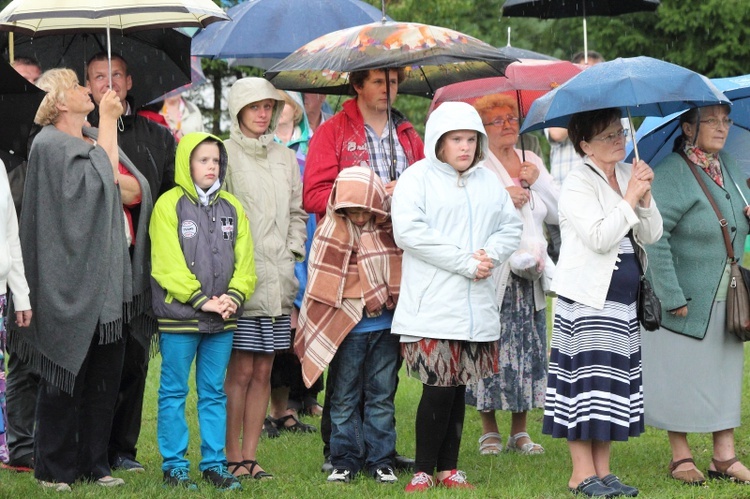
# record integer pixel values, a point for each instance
(432, 56)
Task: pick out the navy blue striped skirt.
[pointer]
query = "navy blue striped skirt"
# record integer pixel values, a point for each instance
(594, 387)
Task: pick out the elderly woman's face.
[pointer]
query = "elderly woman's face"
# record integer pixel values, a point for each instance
(78, 100)
(713, 130)
(501, 125)
(608, 146)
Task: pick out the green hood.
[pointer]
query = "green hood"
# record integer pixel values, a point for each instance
(182, 175)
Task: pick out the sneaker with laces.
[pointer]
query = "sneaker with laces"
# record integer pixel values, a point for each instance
(179, 477)
(220, 477)
(127, 464)
(385, 474)
(456, 480)
(419, 482)
(340, 475)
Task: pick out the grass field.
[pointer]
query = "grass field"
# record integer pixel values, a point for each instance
(295, 461)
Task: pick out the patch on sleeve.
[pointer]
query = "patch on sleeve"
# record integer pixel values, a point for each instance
(188, 229)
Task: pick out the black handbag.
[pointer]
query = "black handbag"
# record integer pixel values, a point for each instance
(649, 306)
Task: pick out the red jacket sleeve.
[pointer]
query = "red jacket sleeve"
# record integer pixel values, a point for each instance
(321, 169)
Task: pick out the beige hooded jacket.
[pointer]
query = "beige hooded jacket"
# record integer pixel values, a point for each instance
(265, 177)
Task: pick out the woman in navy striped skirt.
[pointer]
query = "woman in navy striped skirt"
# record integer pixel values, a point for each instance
(594, 392)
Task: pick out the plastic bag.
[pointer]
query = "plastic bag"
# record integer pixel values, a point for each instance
(529, 260)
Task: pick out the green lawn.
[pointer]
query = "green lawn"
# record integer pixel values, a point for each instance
(295, 461)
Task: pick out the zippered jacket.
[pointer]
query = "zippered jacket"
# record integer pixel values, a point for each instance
(198, 251)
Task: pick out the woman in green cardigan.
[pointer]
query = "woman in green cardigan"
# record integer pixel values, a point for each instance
(692, 366)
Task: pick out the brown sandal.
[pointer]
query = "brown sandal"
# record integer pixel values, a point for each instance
(722, 472)
(690, 477)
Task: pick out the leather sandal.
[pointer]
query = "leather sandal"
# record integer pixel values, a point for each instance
(269, 428)
(528, 449)
(297, 426)
(258, 475)
(490, 448)
(690, 476)
(722, 472)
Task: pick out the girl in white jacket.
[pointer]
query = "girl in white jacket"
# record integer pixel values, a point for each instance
(455, 222)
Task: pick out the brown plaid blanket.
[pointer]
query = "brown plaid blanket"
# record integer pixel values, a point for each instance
(326, 317)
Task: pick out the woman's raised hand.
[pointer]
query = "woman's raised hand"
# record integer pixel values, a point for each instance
(519, 195)
(110, 106)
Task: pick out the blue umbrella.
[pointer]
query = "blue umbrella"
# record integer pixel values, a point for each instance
(656, 136)
(262, 32)
(639, 86)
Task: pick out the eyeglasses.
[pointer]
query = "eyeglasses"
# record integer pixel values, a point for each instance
(714, 122)
(501, 122)
(610, 138)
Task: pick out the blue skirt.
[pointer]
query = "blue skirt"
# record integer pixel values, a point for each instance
(594, 388)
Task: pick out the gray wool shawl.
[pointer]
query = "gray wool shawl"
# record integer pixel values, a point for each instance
(75, 254)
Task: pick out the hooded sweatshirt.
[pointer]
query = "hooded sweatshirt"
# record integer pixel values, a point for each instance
(199, 249)
(440, 218)
(265, 177)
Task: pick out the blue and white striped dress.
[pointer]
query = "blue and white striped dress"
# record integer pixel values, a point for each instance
(594, 388)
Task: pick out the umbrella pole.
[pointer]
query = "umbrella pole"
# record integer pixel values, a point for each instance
(520, 113)
(11, 48)
(392, 166)
(585, 37)
(635, 144)
(109, 55)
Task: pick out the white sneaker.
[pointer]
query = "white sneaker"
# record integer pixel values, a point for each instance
(385, 474)
(56, 486)
(110, 481)
(342, 475)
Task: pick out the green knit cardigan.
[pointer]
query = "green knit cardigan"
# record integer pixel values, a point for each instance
(687, 263)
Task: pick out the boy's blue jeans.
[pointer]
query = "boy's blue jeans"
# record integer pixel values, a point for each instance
(366, 366)
(211, 353)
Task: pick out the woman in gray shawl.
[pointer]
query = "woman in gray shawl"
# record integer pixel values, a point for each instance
(83, 287)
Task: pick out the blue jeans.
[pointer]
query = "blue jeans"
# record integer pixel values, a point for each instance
(366, 365)
(211, 353)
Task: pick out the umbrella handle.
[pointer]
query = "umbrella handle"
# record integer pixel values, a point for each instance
(635, 144)
(392, 165)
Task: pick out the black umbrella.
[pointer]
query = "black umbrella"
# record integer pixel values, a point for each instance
(555, 9)
(19, 101)
(158, 59)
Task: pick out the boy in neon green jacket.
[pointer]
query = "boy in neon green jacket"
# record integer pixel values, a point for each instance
(202, 272)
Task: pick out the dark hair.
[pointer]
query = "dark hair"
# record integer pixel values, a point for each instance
(588, 124)
(102, 56)
(579, 57)
(478, 153)
(27, 61)
(692, 116)
(357, 78)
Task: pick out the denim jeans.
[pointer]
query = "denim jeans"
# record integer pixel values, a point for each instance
(211, 353)
(366, 365)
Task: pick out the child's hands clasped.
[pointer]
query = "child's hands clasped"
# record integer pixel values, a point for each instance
(484, 269)
(222, 305)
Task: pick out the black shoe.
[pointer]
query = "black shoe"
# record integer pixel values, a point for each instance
(385, 474)
(327, 466)
(127, 464)
(220, 477)
(403, 463)
(594, 487)
(340, 475)
(179, 477)
(624, 490)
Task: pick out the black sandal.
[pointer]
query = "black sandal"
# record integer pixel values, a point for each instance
(233, 466)
(260, 475)
(298, 425)
(269, 428)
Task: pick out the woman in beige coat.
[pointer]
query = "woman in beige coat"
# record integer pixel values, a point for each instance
(264, 176)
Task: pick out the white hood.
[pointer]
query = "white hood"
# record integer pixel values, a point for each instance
(450, 116)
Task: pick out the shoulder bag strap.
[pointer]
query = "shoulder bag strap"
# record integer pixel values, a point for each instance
(722, 220)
